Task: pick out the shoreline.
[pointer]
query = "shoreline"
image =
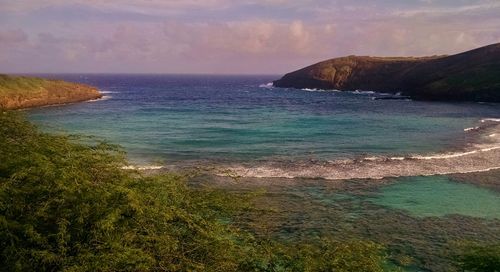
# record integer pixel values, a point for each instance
(103, 97)
(63, 103)
(482, 154)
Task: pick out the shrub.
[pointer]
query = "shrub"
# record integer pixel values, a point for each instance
(65, 205)
(477, 257)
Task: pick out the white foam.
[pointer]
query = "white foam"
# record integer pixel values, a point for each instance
(105, 97)
(267, 85)
(107, 92)
(273, 173)
(145, 167)
(319, 90)
(470, 129)
(455, 155)
(490, 120)
(478, 157)
(312, 90)
(362, 92)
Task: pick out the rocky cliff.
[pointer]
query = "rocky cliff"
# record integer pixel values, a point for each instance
(23, 92)
(469, 76)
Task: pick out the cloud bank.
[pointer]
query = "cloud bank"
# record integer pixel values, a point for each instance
(221, 36)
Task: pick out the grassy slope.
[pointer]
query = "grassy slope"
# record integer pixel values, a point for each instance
(23, 92)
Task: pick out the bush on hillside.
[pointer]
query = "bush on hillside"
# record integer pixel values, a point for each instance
(65, 205)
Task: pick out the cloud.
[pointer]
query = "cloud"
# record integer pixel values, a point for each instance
(275, 38)
(10, 42)
(138, 6)
(12, 36)
(257, 38)
(447, 11)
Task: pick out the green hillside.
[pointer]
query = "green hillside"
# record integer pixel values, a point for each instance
(22, 92)
(470, 76)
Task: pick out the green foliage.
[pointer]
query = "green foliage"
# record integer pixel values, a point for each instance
(19, 85)
(326, 255)
(475, 257)
(68, 206)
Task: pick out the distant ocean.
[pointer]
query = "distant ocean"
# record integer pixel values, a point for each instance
(246, 124)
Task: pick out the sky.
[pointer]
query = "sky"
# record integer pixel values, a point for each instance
(231, 36)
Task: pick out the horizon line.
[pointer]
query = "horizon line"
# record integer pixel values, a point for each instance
(139, 73)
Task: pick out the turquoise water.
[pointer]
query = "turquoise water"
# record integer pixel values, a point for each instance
(176, 119)
(420, 220)
(439, 196)
(233, 118)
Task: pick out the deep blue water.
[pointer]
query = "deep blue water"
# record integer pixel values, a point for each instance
(234, 118)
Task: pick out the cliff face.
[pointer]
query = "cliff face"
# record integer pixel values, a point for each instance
(469, 76)
(18, 92)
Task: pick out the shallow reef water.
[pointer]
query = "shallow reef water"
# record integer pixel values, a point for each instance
(439, 196)
(420, 220)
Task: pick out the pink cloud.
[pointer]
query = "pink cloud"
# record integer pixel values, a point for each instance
(241, 45)
(12, 36)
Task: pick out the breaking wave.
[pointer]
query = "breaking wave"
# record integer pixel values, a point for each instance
(363, 92)
(142, 167)
(267, 85)
(318, 90)
(481, 154)
(359, 92)
(104, 97)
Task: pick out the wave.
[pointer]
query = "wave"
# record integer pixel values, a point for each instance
(471, 129)
(313, 90)
(359, 92)
(483, 155)
(362, 92)
(375, 95)
(107, 92)
(267, 85)
(104, 97)
(319, 90)
(144, 167)
(490, 120)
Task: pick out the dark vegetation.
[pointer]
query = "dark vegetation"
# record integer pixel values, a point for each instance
(469, 76)
(68, 206)
(476, 257)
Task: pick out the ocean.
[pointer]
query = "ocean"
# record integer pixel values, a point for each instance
(175, 118)
(242, 122)
(332, 163)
